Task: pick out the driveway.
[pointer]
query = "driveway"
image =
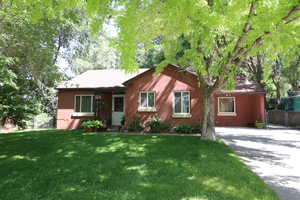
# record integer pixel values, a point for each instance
(273, 154)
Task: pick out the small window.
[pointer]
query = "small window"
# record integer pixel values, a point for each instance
(226, 106)
(181, 102)
(147, 100)
(84, 104)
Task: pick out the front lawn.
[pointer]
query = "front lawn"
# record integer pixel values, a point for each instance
(74, 165)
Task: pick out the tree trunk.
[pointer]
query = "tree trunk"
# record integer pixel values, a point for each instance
(208, 123)
(278, 95)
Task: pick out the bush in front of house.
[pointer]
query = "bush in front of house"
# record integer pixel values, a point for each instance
(156, 125)
(183, 129)
(188, 129)
(135, 125)
(91, 125)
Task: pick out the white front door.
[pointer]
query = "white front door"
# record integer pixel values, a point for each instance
(118, 109)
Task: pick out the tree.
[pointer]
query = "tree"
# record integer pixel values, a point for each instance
(29, 48)
(149, 58)
(220, 33)
(253, 67)
(292, 72)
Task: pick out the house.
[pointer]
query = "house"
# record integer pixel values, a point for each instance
(173, 95)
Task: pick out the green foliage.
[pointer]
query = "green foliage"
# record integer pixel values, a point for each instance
(123, 120)
(92, 124)
(188, 129)
(150, 58)
(292, 69)
(259, 124)
(219, 34)
(135, 124)
(156, 125)
(184, 129)
(31, 40)
(93, 54)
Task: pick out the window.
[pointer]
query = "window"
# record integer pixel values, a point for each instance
(226, 106)
(147, 101)
(118, 105)
(182, 102)
(84, 103)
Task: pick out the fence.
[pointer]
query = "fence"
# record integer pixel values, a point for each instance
(286, 118)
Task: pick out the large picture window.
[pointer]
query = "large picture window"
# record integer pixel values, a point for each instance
(182, 102)
(147, 100)
(84, 103)
(226, 106)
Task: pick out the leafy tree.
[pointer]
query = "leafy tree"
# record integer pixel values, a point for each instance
(220, 33)
(253, 67)
(29, 48)
(292, 72)
(95, 54)
(150, 58)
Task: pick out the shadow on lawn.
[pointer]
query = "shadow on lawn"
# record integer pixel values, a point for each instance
(64, 165)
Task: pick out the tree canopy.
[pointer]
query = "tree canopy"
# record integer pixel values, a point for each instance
(29, 48)
(219, 34)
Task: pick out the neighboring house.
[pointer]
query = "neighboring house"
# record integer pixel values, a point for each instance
(173, 95)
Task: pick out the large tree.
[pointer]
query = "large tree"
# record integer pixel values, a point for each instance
(220, 35)
(29, 48)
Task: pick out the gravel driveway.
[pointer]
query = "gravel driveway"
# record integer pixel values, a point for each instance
(273, 154)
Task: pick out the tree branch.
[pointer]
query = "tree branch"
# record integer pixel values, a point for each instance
(247, 27)
(292, 12)
(291, 20)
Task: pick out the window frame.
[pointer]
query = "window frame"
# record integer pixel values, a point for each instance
(147, 108)
(92, 113)
(181, 114)
(227, 113)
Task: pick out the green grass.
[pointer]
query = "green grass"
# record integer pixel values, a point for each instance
(74, 165)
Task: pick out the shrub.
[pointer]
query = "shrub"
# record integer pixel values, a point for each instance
(123, 120)
(183, 128)
(92, 124)
(188, 129)
(156, 125)
(197, 128)
(135, 125)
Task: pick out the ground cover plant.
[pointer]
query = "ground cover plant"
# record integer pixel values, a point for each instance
(55, 164)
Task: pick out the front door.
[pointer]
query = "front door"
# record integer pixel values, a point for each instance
(118, 109)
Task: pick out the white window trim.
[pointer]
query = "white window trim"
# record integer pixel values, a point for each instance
(181, 115)
(147, 108)
(79, 114)
(227, 113)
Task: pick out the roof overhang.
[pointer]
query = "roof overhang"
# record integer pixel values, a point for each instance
(101, 89)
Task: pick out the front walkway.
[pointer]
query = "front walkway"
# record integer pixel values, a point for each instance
(274, 154)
